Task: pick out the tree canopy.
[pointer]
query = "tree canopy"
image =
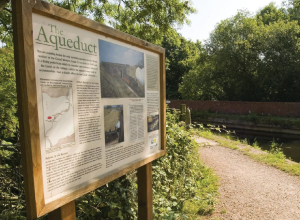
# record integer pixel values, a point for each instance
(8, 99)
(151, 20)
(180, 59)
(249, 58)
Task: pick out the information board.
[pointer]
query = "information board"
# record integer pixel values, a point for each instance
(99, 104)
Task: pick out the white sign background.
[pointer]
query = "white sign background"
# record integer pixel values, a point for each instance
(49, 67)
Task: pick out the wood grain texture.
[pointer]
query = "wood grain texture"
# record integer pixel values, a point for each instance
(145, 206)
(27, 101)
(163, 101)
(66, 212)
(27, 107)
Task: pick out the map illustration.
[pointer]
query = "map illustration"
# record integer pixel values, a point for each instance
(58, 117)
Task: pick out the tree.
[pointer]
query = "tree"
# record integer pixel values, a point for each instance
(8, 96)
(270, 14)
(150, 20)
(180, 60)
(200, 82)
(292, 8)
(279, 69)
(232, 54)
(5, 24)
(249, 58)
(3, 3)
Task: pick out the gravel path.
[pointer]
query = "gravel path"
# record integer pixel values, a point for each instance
(248, 189)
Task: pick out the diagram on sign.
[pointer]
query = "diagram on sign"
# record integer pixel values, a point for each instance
(58, 117)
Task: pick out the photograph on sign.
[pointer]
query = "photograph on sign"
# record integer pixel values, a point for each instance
(122, 71)
(153, 123)
(113, 124)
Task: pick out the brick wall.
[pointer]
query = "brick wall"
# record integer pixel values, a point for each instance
(288, 109)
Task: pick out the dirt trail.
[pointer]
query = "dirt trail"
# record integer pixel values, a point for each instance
(248, 189)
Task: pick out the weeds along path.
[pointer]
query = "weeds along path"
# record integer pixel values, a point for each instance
(249, 189)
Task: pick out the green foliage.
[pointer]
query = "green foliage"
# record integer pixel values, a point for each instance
(182, 186)
(204, 202)
(271, 14)
(116, 200)
(11, 182)
(8, 97)
(149, 20)
(6, 25)
(280, 81)
(179, 176)
(231, 53)
(249, 58)
(274, 157)
(180, 59)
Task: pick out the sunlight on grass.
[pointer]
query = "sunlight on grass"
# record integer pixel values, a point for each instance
(274, 157)
(205, 200)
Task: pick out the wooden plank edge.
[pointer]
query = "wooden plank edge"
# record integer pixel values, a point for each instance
(66, 212)
(163, 104)
(80, 192)
(145, 193)
(30, 159)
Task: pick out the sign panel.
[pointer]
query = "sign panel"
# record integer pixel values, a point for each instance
(98, 104)
(99, 100)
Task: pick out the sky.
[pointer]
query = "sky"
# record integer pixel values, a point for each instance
(211, 12)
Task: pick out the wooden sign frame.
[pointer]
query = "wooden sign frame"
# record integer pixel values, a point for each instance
(27, 99)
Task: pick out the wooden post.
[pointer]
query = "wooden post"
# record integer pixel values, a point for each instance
(145, 210)
(66, 212)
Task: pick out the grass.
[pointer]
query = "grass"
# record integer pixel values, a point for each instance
(224, 140)
(204, 202)
(223, 211)
(208, 187)
(274, 157)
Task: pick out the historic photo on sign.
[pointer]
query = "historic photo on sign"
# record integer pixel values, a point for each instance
(153, 123)
(113, 124)
(58, 117)
(122, 71)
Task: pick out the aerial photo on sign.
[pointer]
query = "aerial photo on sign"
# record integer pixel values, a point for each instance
(122, 71)
(58, 117)
(113, 124)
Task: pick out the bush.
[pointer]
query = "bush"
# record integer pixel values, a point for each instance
(8, 96)
(177, 178)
